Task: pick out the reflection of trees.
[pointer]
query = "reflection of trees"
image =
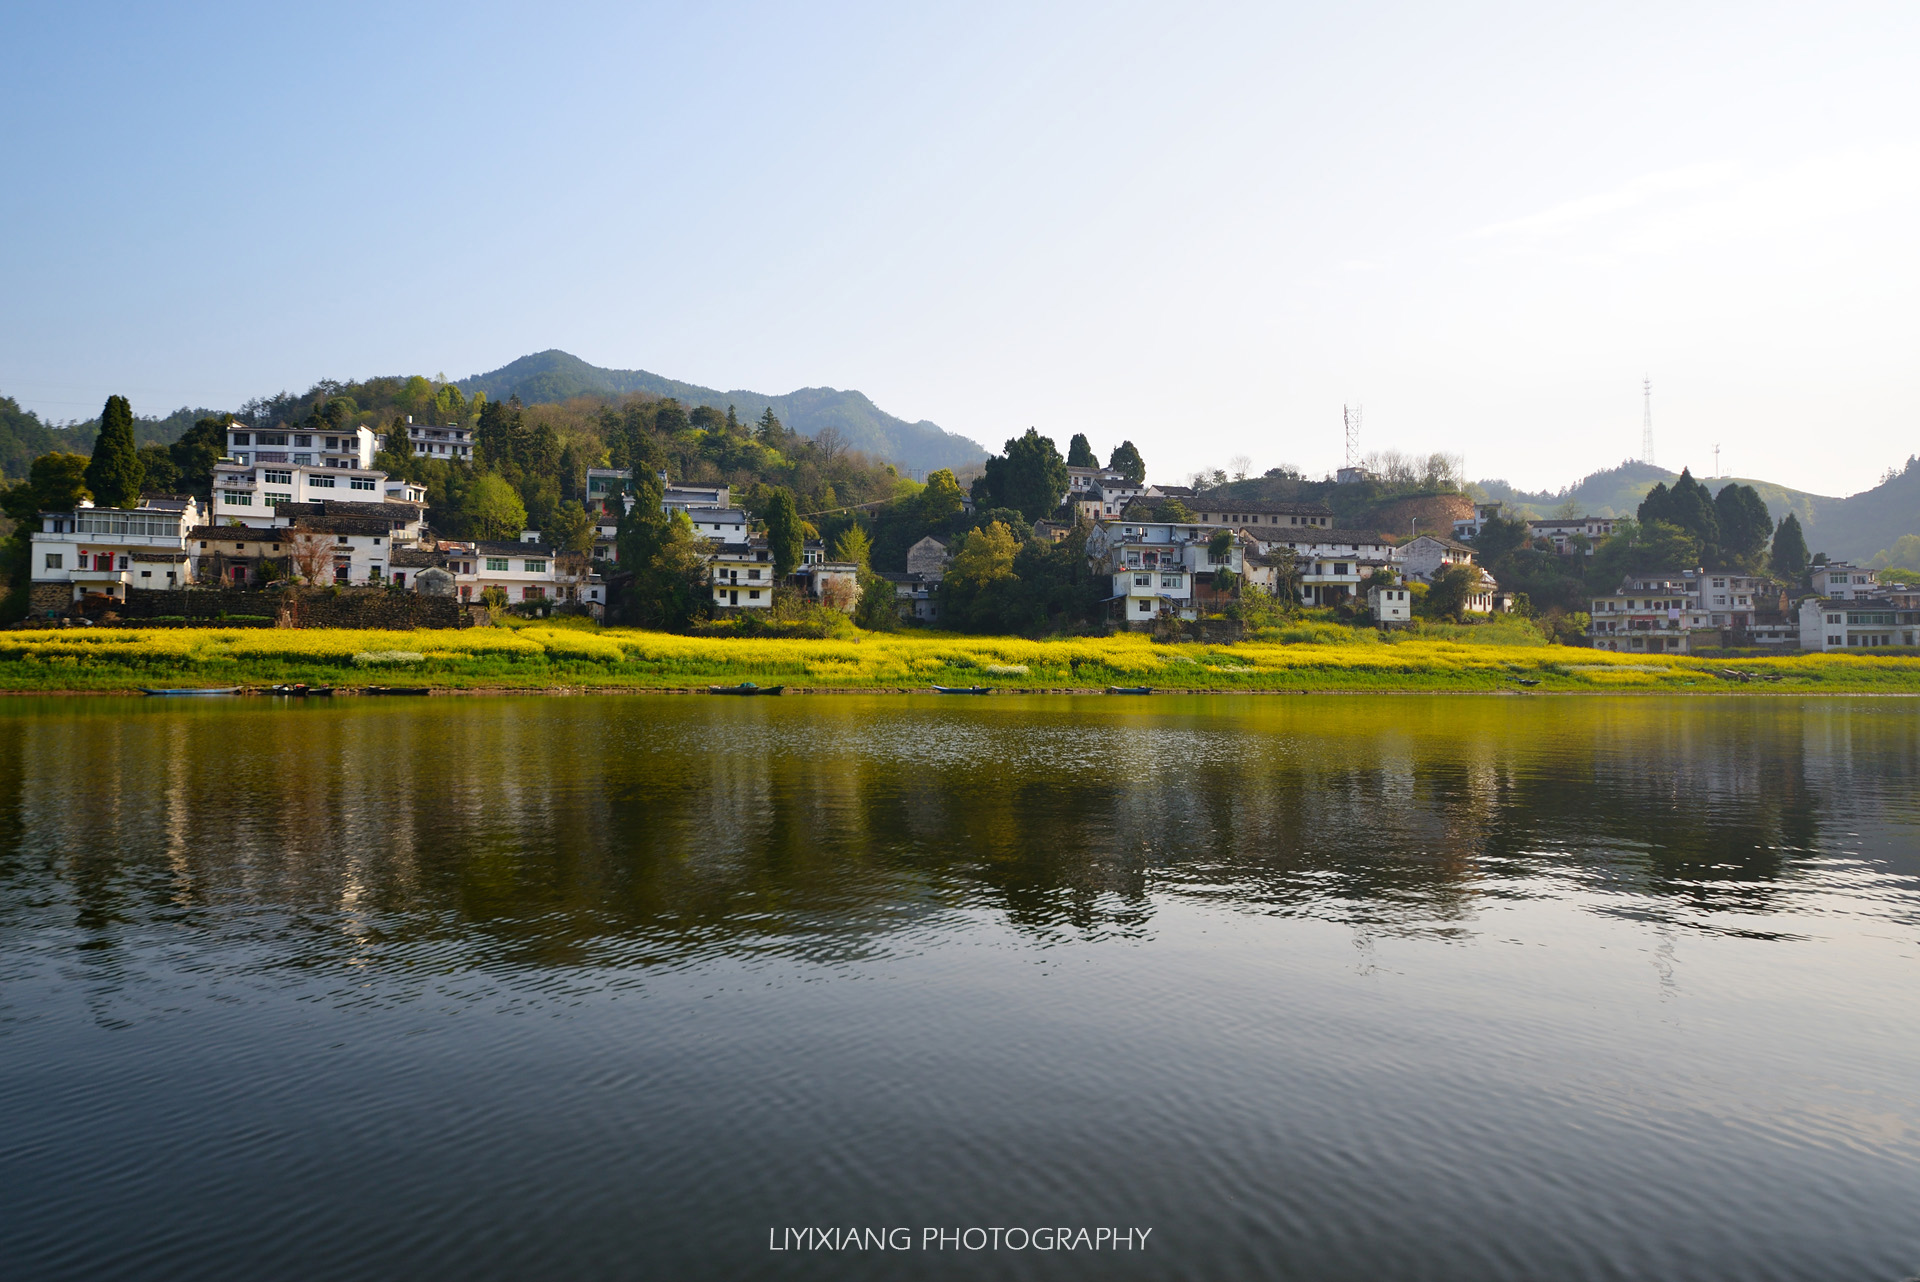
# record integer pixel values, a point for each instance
(580, 833)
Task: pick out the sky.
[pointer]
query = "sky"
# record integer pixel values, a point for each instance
(1204, 228)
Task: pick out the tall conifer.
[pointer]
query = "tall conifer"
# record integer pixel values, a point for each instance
(116, 472)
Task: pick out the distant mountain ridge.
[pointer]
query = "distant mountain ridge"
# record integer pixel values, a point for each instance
(555, 375)
(1854, 528)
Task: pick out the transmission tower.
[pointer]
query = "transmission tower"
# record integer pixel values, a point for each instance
(1351, 415)
(1646, 420)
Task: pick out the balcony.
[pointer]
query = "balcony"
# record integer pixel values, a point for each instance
(270, 456)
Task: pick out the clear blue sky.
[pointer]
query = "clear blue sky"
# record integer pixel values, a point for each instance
(1201, 227)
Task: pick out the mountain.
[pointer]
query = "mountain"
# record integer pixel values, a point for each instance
(559, 376)
(1854, 528)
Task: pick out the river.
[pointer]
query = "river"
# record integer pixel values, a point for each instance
(1386, 987)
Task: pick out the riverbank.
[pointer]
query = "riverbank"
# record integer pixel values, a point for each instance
(542, 657)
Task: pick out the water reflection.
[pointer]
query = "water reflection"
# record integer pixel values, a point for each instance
(575, 832)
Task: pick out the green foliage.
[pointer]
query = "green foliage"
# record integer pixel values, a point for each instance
(158, 474)
(1788, 559)
(1080, 452)
(1657, 547)
(1744, 525)
(941, 501)
(1447, 593)
(1030, 477)
(115, 472)
(786, 542)
(55, 482)
(853, 545)
(1126, 460)
(1904, 555)
(668, 563)
(493, 510)
(1688, 507)
(570, 528)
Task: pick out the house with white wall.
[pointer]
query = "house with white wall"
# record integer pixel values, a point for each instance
(450, 443)
(1844, 581)
(1858, 623)
(104, 551)
(742, 575)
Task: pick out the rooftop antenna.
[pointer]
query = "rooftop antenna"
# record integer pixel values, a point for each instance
(1646, 420)
(1351, 415)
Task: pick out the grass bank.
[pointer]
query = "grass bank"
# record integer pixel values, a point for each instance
(543, 656)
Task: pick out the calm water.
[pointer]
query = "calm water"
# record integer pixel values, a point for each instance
(1368, 988)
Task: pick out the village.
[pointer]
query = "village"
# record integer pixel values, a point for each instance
(306, 507)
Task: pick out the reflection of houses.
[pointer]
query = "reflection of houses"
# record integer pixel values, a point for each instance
(104, 552)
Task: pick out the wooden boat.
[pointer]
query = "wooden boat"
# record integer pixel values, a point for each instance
(1526, 681)
(301, 691)
(1129, 689)
(960, 690)
(745, 687)
(195, 690)
(413, 690)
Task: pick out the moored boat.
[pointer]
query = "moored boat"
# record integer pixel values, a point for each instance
(960, 690)
(745, 687)
(194, 690)
(298, 691)
(411, 690)
(1129, 689)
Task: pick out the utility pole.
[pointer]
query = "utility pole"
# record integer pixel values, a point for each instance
(1646, 420)
(1351, 416)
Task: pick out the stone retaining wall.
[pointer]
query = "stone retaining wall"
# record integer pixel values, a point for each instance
(288, 607)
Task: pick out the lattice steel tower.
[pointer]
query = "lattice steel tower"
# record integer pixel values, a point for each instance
(1646, 420)
(1351, 415)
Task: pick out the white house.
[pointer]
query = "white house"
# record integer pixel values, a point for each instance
(1649, 614)
(928, 558)
(1469, 527)
(103, 551)
(719, 524)
(1264, 519)
(917, 598)
(264, 470)
(1856, 623)
(742, 575)
(1572, 534)
(1422, 558)
(1390, 605)
(1153, 565)
(523, 571)
(449, 443)
(834, 583)
(1842, 581)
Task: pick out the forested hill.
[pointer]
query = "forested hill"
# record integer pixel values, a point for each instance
(551, 376)
(1854, 528)
(25, 436)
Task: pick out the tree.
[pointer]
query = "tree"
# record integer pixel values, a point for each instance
(785, 539)
(855, 547)
(1242, 465)
(769, 430)
(979, 579)
(1029, 477)
(1789, 557)
(55, 483)
(669, 588)
(1126, 460)
(941, 501)
(492, 510)
(158, 473)
(570, 529)
(115, 472)
(1745, 525)
(1688, 506)
(1080, 452)
(1636, 548)
(197, 450)
(1448, 592)
(312, 556)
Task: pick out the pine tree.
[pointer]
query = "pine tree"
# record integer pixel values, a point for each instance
(784, 538)
(1080, 452)
(1789, 559)
(116, 473)
(1126, 460)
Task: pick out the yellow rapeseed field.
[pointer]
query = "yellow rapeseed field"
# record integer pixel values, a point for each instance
(571, 656)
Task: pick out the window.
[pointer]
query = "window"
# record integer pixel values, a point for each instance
(1143, 580)
(754, 595)
(242, 438)
(272, 498)
(273, 477)
(360, 482)
(303, 458)
(56, 560)
(376, 540)
(532, 592)
(237, 497)
(1169, 580)
(331, 443)
(316, 482)
(303, 441)
(496, 563)
(536, 567)
(753, 574)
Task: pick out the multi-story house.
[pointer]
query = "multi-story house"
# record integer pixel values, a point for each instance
(1423, 557)
(1390, 605)
(1843, 581)
(1652, 613)
(450, 443)
(321, 546)
(1469, 527)
(609, 492)
(742, 575)
(1572, 534)
(928, 558)
(106, 552)
(264, 470)
(1858, 622)
(1263, 519)
(719, 524)
(527, 570)
(917, 597)
(1153, 565)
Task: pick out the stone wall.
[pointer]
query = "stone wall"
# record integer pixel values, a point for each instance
(297, 607)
